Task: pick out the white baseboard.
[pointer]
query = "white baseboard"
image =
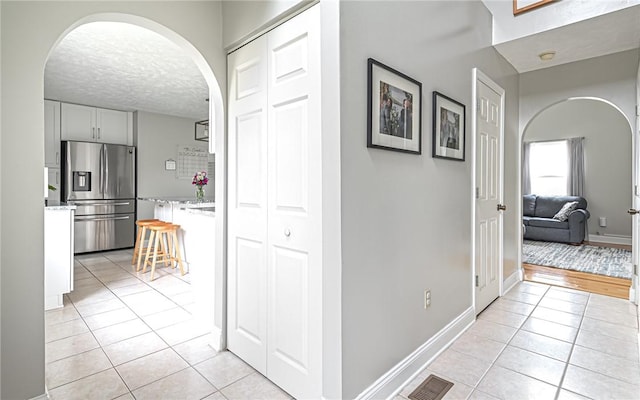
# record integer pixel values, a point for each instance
(391, 383)
(511, 281)
(625, 240)
(216, 339)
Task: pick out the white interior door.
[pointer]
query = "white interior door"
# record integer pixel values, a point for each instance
(294, 222)
(247, 204)
(489, 190)
(275, 193)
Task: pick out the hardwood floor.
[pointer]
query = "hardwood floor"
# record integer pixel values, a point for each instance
(612, 245)
(592, 283)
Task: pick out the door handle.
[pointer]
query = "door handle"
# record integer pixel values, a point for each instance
(633, 211)
(287, 232)
(502, 207)
(98, 133)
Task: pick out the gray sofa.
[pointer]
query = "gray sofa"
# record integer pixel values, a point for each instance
(539, 224)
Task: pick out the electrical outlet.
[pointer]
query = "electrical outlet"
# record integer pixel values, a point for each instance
(427, 298)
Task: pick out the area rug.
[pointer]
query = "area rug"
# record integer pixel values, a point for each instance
(584, 258)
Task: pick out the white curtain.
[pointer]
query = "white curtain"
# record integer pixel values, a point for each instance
(575, 183)
(526, 169)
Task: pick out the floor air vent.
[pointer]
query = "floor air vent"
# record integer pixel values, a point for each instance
(433, 388)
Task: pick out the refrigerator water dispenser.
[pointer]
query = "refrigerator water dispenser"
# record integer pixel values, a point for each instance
(81, 181)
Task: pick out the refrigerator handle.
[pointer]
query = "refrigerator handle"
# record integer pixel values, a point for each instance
(102, 174)
(105, 165)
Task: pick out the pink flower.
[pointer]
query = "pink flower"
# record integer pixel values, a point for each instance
(200, 179)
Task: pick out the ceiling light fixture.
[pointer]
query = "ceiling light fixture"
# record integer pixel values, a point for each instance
(547, 55)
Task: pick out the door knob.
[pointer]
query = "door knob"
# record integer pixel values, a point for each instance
(502, 207)
(287, 232)
(633, 211)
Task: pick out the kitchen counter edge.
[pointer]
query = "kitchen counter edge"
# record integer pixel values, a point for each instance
(178, 200)
(61, 206)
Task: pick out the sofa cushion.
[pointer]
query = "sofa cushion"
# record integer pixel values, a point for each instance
(548, 206)
(525, 220)
(529, 205)
(566, 209)
(548, 223)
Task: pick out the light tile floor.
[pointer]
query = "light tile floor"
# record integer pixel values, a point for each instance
(120, 336)
(543, 342)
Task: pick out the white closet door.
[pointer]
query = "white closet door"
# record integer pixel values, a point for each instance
(247, 204)
(294, 338)
(274, 215)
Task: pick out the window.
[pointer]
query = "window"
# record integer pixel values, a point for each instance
(549, 167)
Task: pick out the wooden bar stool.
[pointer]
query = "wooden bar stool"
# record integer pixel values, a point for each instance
(139, 247)
(165, 248)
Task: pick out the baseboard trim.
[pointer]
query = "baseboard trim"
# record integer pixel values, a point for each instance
(216, 339)
(625, 240)
(511, 281)
(391, 383)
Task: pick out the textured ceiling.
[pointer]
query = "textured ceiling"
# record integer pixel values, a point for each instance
(594, 37)
(125, 67)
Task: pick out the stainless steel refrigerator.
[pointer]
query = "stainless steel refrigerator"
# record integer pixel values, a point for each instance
(100, 179)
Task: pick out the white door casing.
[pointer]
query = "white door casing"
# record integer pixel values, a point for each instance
(634, 290)
(489, 182)
(275, 200)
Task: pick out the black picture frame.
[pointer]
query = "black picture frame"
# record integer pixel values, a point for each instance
(394, 117)
(202, 130)
(449, 133)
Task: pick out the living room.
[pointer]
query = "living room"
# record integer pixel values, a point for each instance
(578, 147)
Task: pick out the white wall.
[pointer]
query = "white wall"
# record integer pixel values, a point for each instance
(406, 219)
(29, 31)
(158, 137)
(611, 77)
(559, 13)
(248, 19)
(608, 158)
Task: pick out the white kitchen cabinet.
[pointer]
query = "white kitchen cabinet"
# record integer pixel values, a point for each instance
(163, 212)
(92, 124)
(52, 134)
(58, 254)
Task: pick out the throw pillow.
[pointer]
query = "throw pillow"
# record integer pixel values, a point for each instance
(566, 209)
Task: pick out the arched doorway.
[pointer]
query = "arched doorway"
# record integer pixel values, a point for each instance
(608, 166)
(216, 114)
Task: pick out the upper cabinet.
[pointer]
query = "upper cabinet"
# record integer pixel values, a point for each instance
(92, 124)
(52, 134)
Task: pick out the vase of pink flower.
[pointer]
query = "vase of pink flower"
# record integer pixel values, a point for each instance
(200, 180)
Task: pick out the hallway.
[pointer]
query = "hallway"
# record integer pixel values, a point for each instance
(544, 342)
(122, 337)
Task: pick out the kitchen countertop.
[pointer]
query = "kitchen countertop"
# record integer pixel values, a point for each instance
(56, 205)
(181, 201)
(206, 210)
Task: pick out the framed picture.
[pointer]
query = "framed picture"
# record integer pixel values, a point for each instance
(520, 6)
(448, 128)
(202, 130)
(394, 116)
